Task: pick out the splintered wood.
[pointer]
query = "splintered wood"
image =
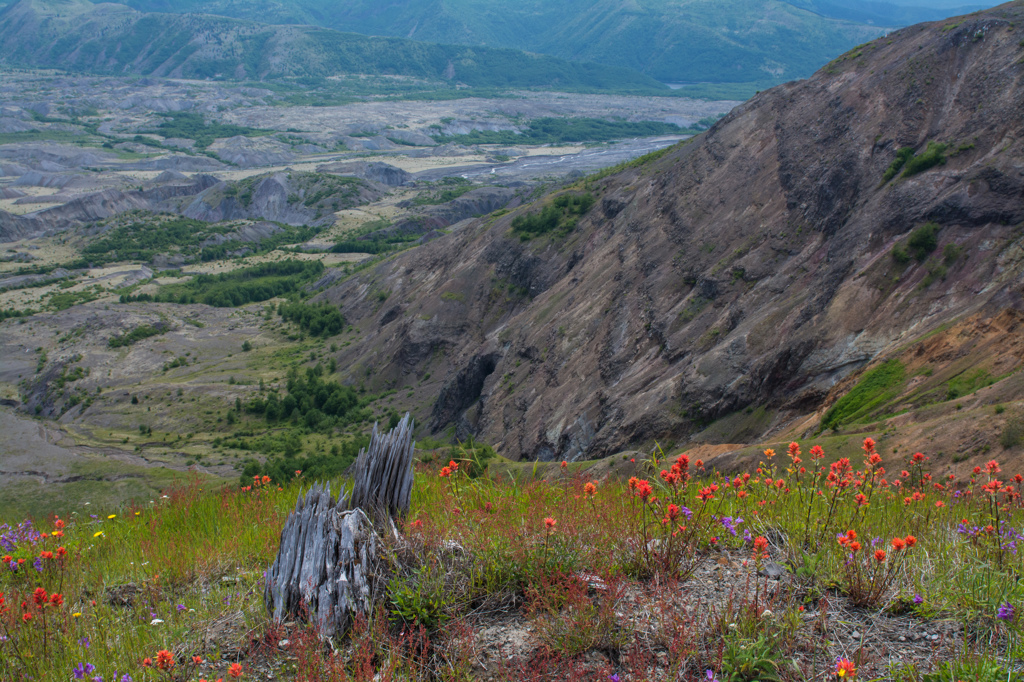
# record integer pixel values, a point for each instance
(327, 567)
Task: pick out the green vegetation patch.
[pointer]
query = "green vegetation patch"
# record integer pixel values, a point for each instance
(247, 285)
(137, 334)
(559, 217)
(451, 188)
(315, 466)
(921, 243)
(62, 300)
(194, 127)
(11, 313)
(968, 382)
(66, 136)
(316, 320)
(318, 404)
(933, 155)
(568, 130)
(341, 190)
(875, 388)
(145, 238)
(902, 156)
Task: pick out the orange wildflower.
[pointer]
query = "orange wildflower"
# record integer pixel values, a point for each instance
(550, 523)
(164, 659)
(845, 668)
(235, 670)
(879, 555)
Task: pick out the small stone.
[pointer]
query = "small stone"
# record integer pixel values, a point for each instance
(284, 642)
(902, 638)
(773, 570)
(855, 634)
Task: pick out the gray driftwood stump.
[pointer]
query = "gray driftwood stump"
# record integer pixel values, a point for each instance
(327, 566)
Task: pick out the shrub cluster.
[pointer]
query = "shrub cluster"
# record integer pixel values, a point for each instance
(558, 217)
(238, 287)
(137, 334)
(317, 320)
(311, 400)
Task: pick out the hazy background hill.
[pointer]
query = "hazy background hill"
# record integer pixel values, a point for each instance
(115, 39)
(671, 40)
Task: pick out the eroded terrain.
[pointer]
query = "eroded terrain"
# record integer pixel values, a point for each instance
(115, 192)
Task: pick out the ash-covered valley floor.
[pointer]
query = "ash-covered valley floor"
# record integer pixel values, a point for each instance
(115, 189)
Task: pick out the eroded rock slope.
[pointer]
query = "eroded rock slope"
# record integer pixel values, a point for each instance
(756, 265)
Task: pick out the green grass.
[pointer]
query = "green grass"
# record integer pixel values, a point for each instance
(968, 382)
(873, 391)
(153, 575)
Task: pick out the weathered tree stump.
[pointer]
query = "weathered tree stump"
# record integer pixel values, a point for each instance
(328, 565)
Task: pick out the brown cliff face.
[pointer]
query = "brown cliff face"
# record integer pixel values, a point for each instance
(753, 266)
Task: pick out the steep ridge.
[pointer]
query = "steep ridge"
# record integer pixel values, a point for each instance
(671, 40)
(109, 38)
(754, 267)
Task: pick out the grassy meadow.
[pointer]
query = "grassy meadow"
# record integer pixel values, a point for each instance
(806, 567)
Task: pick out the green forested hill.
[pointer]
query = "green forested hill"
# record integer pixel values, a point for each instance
(114, 39)
(671, 40)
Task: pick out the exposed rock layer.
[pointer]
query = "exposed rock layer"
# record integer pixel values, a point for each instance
(752, 266)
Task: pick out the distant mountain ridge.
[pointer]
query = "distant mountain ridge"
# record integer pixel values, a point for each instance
(110, 38)
(671, 40)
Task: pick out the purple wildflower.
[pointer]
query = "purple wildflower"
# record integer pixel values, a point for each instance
(38, 564)
(730, 524)
(918, 599)
(1006, 612)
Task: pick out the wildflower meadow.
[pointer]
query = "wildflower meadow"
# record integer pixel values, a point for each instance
(804, 568)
